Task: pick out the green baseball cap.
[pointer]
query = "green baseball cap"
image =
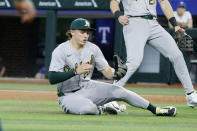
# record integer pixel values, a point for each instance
(80, 24)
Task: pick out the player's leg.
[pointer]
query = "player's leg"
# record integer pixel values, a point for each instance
(164, 43)
(76, 104)
(135, 39)
(101, 93)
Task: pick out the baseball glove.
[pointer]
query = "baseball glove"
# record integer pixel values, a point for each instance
(120, 68)
(183, 40)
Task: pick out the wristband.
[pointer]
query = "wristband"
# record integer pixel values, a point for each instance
(173, 21)
(117, 14)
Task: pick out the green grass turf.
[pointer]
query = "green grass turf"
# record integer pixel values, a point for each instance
(17, 115)
(139, 90)
(47, 116)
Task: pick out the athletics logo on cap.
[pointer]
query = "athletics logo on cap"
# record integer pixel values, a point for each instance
(81, 24)
(87, 24)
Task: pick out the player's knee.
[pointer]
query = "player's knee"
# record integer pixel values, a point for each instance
(88, 110)
(133, 64)
(119, 93)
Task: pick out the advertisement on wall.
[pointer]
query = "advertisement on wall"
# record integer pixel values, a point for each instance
(90, 5)
(63, 4)
(5, 4)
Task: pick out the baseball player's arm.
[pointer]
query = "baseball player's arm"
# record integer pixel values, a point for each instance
(168, 11)
(119, 70)
(108, 72)
(115, 9)
(26, 10)
(114, 6)
(57, 77)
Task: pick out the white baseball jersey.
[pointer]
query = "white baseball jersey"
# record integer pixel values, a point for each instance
(139, 7)
(184, 19)
(65, 58)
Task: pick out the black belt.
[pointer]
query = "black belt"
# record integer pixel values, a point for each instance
(149, 17)
(62, 94)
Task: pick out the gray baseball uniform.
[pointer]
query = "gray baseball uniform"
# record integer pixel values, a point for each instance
(140, 31)
(81, 95)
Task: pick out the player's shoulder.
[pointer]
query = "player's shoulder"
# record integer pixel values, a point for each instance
(64, 44)
(187, 13)
(61, 46)
(91, 45)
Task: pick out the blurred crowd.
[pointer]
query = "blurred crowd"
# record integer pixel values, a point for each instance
(183, 16)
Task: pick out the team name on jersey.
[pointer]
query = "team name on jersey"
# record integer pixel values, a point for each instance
(68, 68)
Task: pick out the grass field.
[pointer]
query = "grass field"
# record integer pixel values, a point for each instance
(34, 87)
(25, 115)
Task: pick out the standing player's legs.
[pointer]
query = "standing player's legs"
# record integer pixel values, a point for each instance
(77, 104)
(164, 43)
(135, 36)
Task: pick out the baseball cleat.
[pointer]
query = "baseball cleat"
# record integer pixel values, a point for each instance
(113, 105)
(110, 111)
(166, 111)
(116, 106)
(192, 99)
(107, 110)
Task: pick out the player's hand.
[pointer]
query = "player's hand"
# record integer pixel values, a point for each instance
(123, 20)
(26, 10)
(83, 68)
(176, 28)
